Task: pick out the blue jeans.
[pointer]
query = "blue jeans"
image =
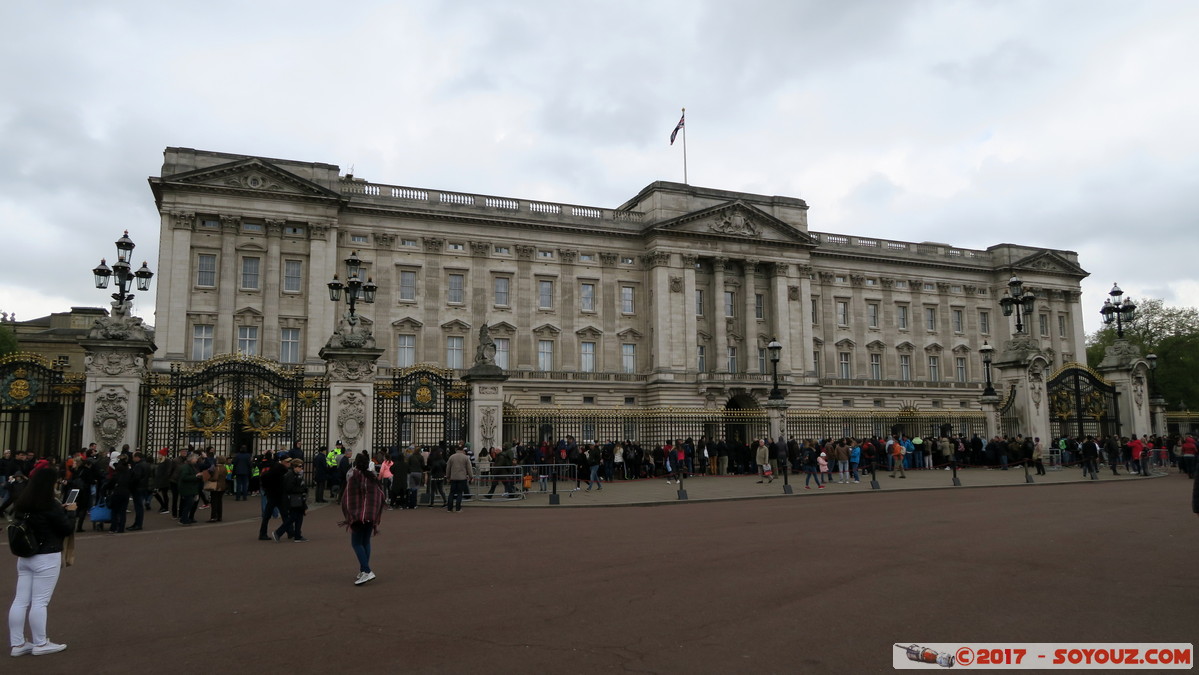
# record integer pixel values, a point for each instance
(360, 541)
(139, 506)
(241, 486)
(810, 475)
(594, 479)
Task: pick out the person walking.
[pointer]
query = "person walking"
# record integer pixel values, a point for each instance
(594, 460)
(362, 506)
(762, 459)
(458, 471)
(271, 481)
(243, 465)
(37, 575)
(1038, 455)
(294, 503)
(897, 453)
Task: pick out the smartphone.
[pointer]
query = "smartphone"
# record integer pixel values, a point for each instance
(72, 496)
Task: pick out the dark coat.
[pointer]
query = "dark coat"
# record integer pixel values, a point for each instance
(50, 528)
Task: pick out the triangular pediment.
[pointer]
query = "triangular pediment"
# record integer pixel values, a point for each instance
(703, 335)
(961, 349)
(247, 311)
(846, 343)
(254, 175)
(736, 220)
(905, 346)
(1051, 262)
(456, 325)
(408, 323)
(934, 348)
(590, 332)
(502, 328)
(876, 345)
(629, 334)
(547, 330)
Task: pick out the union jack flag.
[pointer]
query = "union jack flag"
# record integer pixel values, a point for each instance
(676, 128)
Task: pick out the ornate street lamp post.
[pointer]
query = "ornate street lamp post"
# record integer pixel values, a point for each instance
(354, 287)
(1019, 300)
(987, 350)
(1118, 310)
(776, 351)
(121, 271)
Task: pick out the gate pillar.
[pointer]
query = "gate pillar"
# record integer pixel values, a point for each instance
(990, 406)
(351, 374)
(1123, 366)
(1023, 364)
(112, 396)
(486, 381)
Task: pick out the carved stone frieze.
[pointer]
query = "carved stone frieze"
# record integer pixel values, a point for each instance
(433, 244)
(736, 223)
(274, 227)
(113, 363)
(656, 258)
(231, 223)
(487, 425)
(720, 264)
(827, 277)
(857, 279)
(480, 249)
(318, 231)
(384, 240)
(608, 258)
(942, 287)
(353, 370)
(489, 389)
(351, 418)
(689, 260)
(351, 333)
(793, 292)
(887, 282)
(751, 266)
(568, 255)
(916, 285)
(970, 290)
(120, 325)
(111, 416)
(676, 284)
(524, 252)
(804, 269)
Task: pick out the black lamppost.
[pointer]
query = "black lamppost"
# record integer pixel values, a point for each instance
(1016, 298)
(121, 270)
(776, 351)
(1117, 309)
(1153, 396)
(987, 350)
(353, 286)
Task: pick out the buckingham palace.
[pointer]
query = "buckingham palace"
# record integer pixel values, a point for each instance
(666, 302)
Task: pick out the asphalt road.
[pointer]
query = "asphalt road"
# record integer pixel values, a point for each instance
(780, 585)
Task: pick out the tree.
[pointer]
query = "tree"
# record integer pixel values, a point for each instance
(8, 341)
(1170, 332)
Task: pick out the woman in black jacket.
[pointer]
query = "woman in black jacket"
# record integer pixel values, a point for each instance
(37, 575)
(119, 489)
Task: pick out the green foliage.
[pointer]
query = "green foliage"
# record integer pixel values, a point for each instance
(8, 341)
(1170, 332)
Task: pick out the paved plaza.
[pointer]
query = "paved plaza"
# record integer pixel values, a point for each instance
(736, 579)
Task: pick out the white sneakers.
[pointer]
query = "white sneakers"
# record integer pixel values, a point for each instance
(38, 650)
(364, 577)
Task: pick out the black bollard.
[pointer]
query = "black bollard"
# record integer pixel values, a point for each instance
(874, 476)
(682, 492)
(956, 481)
(1027, 477)
(554, 498)
(787, 489)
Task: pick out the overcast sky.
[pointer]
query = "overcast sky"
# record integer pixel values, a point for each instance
(1063, 124)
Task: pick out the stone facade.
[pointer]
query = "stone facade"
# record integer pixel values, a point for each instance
(667, 300)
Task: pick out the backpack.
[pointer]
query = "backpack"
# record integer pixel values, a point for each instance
(21, 540)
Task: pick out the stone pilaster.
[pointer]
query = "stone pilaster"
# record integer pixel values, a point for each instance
(719, 322)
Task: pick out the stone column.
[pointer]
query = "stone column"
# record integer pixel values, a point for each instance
(351, 373)
(112, 407)
(719, 321)
(751, 321)
(228, 281)
(690, 323)
(432, 343)
(271, 283)
(1022, 363)
(322, 265)
(659, 284)
(802, 330)
(175, 253)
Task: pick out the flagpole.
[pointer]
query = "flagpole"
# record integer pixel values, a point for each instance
(685, 146)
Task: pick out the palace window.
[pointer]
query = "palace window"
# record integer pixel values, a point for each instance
(960, 369)
(501, 291)
(293, 280)
(407, 285)
(453, 351)
(545, 294)
(984, 321)
(587, 297)
(759, 306)
(934, 368)
(206, 270)
(545, 355)
(405, 350)
(876, 366)
(699, 302)
(872, 314)
(201, 342)
(456, 289)
(249, 273)
(905, 367)
(628, 357)
(289, 345)
(901, 316)
(587, 357)
(842, 312)
(247, 340)
(730, 303)
(626, 299)
(502, 349)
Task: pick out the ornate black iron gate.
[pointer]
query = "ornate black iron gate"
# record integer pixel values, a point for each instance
(233, 400)
(421, 406)
(41, 407)
(1081, 403)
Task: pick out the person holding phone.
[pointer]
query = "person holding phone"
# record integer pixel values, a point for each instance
(37, 575)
